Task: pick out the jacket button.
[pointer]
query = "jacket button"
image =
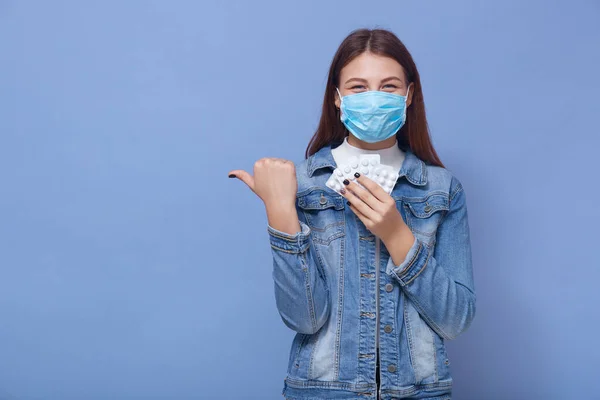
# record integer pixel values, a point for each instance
(323, 200)
(427, 208)
(389, 287)
(387, 328)
(391, 368)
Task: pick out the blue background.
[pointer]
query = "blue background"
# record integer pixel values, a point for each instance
(132, 267)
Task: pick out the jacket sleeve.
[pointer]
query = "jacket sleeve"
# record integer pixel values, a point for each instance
(440, 283)
(301, 291)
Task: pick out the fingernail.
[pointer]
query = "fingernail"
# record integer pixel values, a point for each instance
(232, 176)
(349, 204)
(356, 174)
(343, 191)
(346, 182)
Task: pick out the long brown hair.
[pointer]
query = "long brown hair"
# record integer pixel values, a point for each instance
(414, 134)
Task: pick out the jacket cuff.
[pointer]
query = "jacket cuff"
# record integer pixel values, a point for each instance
(413, 264)
(296, 243)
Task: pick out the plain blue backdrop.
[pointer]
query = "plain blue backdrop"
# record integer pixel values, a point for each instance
(132, 267)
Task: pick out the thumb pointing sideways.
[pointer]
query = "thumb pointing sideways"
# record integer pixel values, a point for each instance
(244, 177)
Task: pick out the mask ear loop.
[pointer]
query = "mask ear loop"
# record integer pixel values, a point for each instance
(406, 100)
(339, 109)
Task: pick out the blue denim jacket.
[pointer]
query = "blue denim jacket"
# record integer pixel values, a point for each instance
(332, 277)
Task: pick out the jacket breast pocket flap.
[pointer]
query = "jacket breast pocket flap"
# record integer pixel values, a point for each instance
(324, 214)
(426, 213)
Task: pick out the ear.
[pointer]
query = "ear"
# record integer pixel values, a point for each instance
(411, 90)
(337, 99)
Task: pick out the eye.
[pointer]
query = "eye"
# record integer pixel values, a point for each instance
(355, 87)
(390, 87)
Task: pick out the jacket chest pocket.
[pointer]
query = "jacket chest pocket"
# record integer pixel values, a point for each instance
(324, 214)
(424, 215)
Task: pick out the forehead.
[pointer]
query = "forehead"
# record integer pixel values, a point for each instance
(371, 67)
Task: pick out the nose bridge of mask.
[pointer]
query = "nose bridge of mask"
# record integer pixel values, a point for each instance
(376, 92)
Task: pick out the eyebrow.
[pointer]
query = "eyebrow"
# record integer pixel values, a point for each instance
(389, 78)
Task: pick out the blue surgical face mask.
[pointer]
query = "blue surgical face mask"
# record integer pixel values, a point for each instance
(373, 116)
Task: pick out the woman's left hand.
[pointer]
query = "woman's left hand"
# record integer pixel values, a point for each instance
(374, 207)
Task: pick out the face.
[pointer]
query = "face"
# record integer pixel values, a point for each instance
(372, 72)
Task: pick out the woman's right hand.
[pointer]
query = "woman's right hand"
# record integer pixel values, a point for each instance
(274, 181)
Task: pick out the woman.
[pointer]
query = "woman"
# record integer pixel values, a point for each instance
(373, 285)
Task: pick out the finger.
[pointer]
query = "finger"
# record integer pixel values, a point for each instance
(376, 190)
(358, 203)
(281, 160)
(360, 215)
(365, 195)
(244, 177)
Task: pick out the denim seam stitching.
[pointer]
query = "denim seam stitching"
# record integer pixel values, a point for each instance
(422, 268)
(309, 294)
(286, 251)
(295, 238)
(456, 190)
(400, 275)
(340, 311)
(409, 335)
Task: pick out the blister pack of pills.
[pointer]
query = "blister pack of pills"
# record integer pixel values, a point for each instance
(368, 165)
(385, 176)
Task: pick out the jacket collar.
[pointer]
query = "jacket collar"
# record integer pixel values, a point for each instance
(413, 167)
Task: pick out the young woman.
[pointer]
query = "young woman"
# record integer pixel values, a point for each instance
(373, 283)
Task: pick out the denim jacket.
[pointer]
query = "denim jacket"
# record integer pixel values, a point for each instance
(331, 278)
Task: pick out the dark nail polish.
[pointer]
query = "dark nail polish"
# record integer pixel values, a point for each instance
(343, 191)
(356, 174)
(346, 182)
(232, 176)
(349, 204)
